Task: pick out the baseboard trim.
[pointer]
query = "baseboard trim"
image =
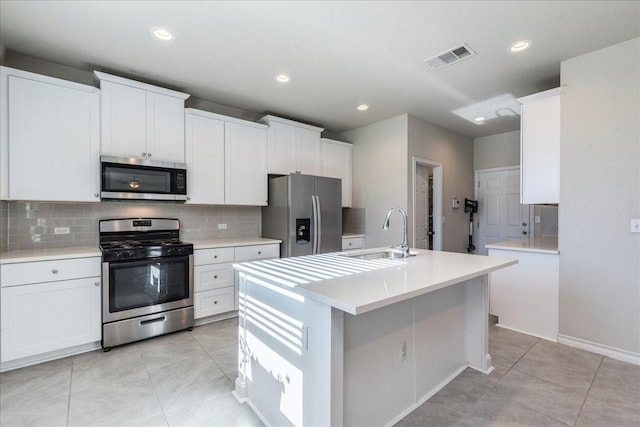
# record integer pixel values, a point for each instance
(499, 325)
(605, 350)
(46, 357)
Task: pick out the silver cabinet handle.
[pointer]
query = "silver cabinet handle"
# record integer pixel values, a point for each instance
(96, 284)
(524, 224)
(149, 155)
(54, 271)
(96, 195)
(215, 277)
(144, 154)
(259, 252)
(524, 232)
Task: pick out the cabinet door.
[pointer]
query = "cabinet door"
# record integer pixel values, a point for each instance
(205, 159)
(306, 151)
(281, 137)
(49, 316)
(245, 165)
(336, 163)
(123, 113)
(54, 141)
(165, 127)
(540, 151)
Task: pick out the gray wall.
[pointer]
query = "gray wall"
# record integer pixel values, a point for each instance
(497, 151)
(382, 156)
(599, 194)
(455, 152)
(380, 176)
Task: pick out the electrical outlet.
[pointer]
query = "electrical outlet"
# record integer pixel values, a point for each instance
(403, 351)
(635, 225)
(42, 222)
(222, 226)
(61, 230)
(537, 219)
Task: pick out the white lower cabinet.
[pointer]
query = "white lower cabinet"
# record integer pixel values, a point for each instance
(215, 285)
(49, 310)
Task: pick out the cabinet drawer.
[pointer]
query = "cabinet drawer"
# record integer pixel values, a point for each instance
(352, 243)
(212, 256)
(212, 276)
(246, 253)
(208, 303)
(49, 271)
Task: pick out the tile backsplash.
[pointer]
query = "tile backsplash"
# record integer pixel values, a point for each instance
(353, 220)
(30, 225)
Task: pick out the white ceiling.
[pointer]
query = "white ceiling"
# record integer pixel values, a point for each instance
(339, 53)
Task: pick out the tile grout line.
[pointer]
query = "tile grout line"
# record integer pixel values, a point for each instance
(589, 390)
(153, 388)
(70, 388)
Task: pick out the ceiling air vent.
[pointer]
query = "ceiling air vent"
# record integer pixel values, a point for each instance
(450, 56)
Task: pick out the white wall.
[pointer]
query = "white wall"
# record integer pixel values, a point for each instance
(455, 152)
(496, 151)
(380, 176)
(599, 194)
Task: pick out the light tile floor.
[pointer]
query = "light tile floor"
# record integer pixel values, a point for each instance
(185, 379)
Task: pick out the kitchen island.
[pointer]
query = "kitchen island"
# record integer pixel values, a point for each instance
(358, 338)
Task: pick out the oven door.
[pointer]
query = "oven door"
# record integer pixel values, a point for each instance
(141, 287)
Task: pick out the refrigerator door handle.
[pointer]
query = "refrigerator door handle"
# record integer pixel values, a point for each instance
(314, 214)
(319, 225)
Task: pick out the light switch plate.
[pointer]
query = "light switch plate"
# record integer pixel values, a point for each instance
(635, 225)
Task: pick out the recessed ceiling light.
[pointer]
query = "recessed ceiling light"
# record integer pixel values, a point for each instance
(363, 107)
(162, 34)
(520, 45)
(282, 78)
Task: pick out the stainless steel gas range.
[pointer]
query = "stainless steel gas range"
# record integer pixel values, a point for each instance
(147, 279)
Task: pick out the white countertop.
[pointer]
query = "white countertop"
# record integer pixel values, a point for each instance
(49, 254)
(357, 286)
(233, 241)
(545, 245)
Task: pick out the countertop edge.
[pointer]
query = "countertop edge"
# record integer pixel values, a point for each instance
(232, 242)
(35, 255)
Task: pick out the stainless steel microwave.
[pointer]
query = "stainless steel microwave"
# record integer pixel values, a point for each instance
(140, 179)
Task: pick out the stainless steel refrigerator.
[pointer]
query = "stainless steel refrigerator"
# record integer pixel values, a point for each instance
(305, 212)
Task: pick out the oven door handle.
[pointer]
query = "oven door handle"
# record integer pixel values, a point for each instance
(157, 319)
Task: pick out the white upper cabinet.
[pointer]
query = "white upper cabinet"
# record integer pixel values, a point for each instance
(50, 138)
(540, 148)
(226, 160)
(245, 147)
(204, 143)
(141, 120)
(337, 163)
(293, 147)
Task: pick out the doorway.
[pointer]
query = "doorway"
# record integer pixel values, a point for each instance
(427, 204)
(500, 215)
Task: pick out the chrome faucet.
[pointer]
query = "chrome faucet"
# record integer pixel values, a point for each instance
(404, 246)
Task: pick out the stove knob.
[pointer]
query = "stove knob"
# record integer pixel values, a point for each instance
(182, 251)
(172, 251)
(131, 254)
(119, 255)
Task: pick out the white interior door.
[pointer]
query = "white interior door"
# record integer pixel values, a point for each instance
(500, 215)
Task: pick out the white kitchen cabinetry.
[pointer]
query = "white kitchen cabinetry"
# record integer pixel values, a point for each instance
(141, 120)
(204, 144)
(293, 147)
(49, 306)
(540, 148)
(50, 138)
(215, 286)
(226, 160)
(525, 296)
(214, 291)
(337, 163)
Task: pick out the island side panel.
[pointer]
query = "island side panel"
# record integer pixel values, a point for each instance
(477, 319)
(284, 355)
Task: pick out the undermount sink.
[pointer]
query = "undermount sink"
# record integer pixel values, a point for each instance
(385, 254)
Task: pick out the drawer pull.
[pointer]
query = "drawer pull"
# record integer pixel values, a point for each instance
(158, 319)
(215, 256)
(97, 283)
(54, 271)
(259, 252)
(215, 302)
(215, 277)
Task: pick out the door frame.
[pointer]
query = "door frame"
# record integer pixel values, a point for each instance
(437, 200)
